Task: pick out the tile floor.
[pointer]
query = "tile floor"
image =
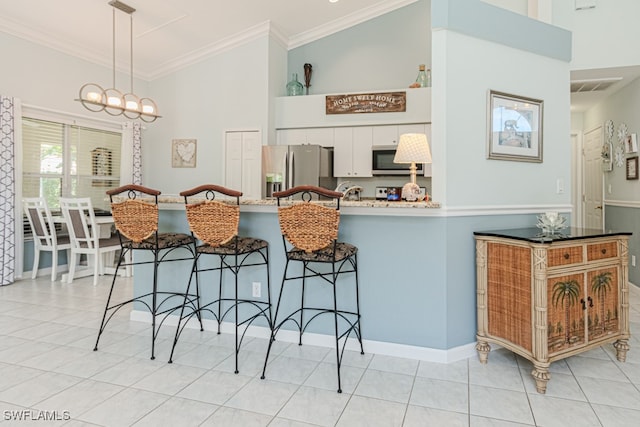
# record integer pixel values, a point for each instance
(48, 369)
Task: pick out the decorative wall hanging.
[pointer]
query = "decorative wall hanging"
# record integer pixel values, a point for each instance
(183, 153)
(383, 102)
(514, 127)
(620, 149)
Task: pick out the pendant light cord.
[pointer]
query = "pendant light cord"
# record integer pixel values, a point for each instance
(131, 46)
(113, 13)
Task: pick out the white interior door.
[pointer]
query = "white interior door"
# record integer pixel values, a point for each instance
(593, 175)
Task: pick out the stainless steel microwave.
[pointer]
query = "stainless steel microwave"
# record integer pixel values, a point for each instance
(382, 162)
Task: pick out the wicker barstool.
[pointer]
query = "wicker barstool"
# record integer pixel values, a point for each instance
(310, 236)
(214, 223)
(135, 214)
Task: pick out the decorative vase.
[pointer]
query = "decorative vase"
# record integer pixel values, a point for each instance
(294, 87)
(308, 70)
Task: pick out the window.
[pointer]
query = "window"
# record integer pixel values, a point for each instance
(63, 160)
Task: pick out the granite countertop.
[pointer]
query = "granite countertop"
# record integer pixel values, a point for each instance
(366, 203)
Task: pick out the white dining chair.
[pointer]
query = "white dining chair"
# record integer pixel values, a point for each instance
(44, 233)
(85, 235)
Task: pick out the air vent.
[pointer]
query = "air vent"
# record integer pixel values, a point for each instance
(593, 85)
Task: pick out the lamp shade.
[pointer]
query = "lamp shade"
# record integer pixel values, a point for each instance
(413, 147)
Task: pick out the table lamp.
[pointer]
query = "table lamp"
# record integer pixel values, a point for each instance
(413, 148)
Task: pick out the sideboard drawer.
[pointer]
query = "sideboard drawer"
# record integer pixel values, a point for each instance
(564, 256)
(606, 250)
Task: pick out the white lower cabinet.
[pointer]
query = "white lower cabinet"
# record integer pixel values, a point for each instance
(243, 163)
(352, 152)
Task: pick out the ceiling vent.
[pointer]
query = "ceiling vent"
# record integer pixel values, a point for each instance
(593, 85)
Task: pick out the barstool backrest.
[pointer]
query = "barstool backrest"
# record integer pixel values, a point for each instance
(308, 224)
(135, 219)
(212, 221)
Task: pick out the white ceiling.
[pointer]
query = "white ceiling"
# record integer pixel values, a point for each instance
(168, 35)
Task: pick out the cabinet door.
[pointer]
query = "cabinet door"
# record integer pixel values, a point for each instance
(343, 153)
(566, 320)
(233, 160)
(291, 136)
(361, 151)
(251, 165)
(321, 136)
(385, 135)
(603, 306)
(243, 163)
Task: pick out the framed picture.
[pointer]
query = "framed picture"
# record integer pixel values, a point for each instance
(514, 127)
(631, 143)
(632, 167)
(183, 153)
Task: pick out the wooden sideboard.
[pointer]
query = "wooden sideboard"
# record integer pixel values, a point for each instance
(548, 297)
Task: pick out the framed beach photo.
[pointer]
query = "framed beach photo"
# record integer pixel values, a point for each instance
(514, 128)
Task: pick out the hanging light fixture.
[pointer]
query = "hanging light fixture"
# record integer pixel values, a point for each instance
(96, 99)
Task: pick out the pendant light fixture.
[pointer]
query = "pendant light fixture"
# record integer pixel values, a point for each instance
(94, 98)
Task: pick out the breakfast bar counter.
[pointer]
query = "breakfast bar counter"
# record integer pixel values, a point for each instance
(401, 275)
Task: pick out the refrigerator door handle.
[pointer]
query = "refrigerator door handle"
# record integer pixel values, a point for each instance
(291, 170)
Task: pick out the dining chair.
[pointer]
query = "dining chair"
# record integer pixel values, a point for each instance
(309, 227)
(85, 235)
(45, 236)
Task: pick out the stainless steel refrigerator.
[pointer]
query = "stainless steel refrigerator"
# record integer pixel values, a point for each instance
(286, 166)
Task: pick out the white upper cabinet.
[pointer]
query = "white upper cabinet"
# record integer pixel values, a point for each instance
(320, 136)
(352, 152)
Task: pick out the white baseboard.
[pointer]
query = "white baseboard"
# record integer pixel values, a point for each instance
(321, 340)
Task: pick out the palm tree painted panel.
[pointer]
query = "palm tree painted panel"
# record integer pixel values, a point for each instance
(603, 302)
(565, 317)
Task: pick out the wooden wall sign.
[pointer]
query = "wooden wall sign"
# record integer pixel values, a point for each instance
(383, 102)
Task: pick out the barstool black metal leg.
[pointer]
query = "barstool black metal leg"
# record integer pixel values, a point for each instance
(194, 270)
(335, 318)
(236, 270)
(275, 328)
(221, 270)
(154, 308)
(106, 307)
(359, 334)
(304, 277)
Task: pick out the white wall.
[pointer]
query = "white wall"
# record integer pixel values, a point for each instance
(466, 69)
(229, 91)
(621, 107)
(605, 36)
(50, 79)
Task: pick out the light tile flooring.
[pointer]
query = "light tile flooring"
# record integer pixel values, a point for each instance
(48, 369)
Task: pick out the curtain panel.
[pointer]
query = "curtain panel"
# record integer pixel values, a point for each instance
(131, 154)
(9, 120)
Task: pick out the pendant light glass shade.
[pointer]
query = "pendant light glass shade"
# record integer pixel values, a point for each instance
(94, 98)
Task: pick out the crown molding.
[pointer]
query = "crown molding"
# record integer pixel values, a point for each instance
(213, 49)
(346, 22)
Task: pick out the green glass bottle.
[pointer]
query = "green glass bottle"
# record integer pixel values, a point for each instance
(424, 77)
(294, 87)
